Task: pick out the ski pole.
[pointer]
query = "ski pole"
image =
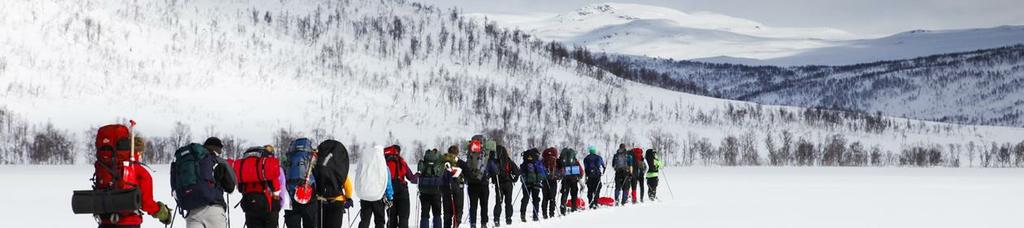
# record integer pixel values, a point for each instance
(174, 216)
(228, 197)
(669, 185)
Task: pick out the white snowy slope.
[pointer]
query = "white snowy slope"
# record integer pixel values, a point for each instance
(664, 32)
(645, 30)
(366, 73)
(904, 45)
(690, 197)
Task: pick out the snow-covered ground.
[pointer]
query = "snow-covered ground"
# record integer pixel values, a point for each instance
(699, 197)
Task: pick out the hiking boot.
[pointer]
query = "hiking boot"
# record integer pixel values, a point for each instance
(508, 221)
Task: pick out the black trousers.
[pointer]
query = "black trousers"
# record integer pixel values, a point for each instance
(333, 213)
(478, 195)
(622, 184)
(638, 182)
(265, 220)
(570, 187)
(398, 214)
(371, 210)
(593, 190)
(652, 187)
(302, 215)
(453, 200)
(503, 194)
(530, 192)
(430, 204)
(548, 204)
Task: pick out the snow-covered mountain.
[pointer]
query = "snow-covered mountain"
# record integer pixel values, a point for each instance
(904, 45)
(644, 30)
(371, 72)
(977, 87)
(637, 29)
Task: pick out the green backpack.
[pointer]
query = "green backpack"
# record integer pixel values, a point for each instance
(432, 164)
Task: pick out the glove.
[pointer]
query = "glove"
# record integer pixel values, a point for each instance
(164, 214)
(348, 204)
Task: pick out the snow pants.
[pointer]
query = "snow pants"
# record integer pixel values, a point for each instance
(478, 195)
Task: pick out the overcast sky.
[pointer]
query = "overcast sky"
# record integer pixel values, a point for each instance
(861, 17)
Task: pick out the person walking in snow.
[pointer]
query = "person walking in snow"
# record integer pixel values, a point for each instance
(137, 174)
(401, 176)
(550, 190)
(639, 169)
(532, 177)
(374, 189)
(207, 208)
(622, 162)
(594, 166)
(653, 166)
(334, 189)
(299, 162)
(453, 193)
(507, 173)
(432, 174)
(571, 173)
(478, 171)
(259, 181)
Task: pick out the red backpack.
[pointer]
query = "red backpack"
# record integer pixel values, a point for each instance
(114, 158)
(257, 172)
(258, 178)
(395, 164)
(550, 157)
(115, 192)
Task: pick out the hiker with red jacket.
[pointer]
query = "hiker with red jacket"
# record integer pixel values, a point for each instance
(122, 187)
(259, 181)
(137, 175)
(639, 169)
(401, 175)
(506, 175)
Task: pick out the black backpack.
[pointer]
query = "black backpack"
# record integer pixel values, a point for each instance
(192, 177)
(331, 169)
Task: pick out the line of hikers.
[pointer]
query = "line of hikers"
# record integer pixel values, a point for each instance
(314, 188)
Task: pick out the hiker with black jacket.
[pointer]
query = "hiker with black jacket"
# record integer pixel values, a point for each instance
(214, 213)
(507, 173)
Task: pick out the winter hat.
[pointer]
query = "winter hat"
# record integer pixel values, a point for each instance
(214, 144)
(592, 149)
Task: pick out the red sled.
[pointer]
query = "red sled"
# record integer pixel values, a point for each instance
(606, 201)
(580, 203)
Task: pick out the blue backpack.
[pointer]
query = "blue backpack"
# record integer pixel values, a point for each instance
(299, 163)
(593, 163)
(192, 177)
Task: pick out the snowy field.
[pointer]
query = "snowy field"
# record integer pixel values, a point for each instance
(703, 197)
